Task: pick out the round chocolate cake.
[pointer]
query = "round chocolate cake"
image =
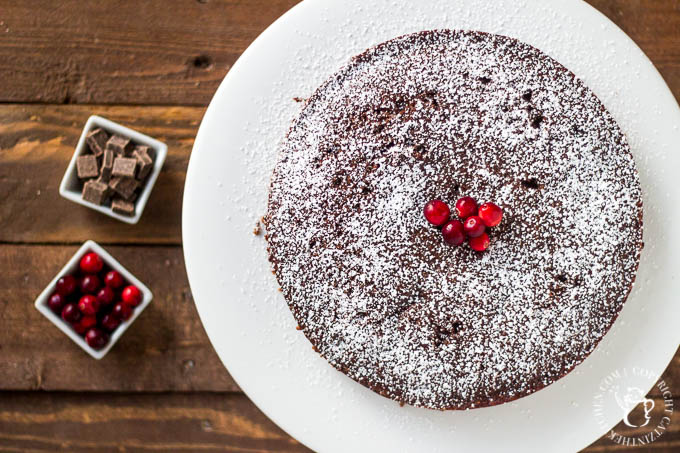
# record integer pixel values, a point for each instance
(441, 115)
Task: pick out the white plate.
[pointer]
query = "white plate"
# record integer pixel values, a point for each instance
(248, 321)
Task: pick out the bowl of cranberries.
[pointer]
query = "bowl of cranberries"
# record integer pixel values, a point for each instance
(93, 299)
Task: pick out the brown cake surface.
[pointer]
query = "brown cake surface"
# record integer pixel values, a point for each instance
(445, 114)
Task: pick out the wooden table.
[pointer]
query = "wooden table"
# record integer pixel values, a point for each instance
(152, 65)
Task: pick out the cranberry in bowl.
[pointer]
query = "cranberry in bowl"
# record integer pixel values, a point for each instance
(83, 300)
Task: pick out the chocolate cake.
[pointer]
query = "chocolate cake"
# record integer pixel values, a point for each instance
(440, 115)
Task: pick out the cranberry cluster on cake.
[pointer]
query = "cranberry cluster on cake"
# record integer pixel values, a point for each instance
(442, 115)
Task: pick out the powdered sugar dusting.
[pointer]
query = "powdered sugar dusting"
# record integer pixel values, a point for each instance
(440, 115)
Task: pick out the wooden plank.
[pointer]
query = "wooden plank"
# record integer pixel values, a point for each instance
(36, 145)
(100, 423)
(154, 53)
(166, 349)
(103, 422)
(655, 28)
(125, 52)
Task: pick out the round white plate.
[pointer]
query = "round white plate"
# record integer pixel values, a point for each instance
(247, 319)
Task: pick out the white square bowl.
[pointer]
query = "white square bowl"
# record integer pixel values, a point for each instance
(70, 268)
(71, 186)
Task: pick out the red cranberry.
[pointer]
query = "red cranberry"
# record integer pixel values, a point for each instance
(96, 338)
(113, 279)
(89, 284)
(78, 328)
(466, 207)
(474, 226)
(105, 296)
(56, 302)
(81, 326)
(88, 321)
(453, 232)
(110, 322)
(91, 263)
(66, 285)
(490, 214)
(480, 243)
(70, 313)
(88, 305)
(122, 311)
(437, 212)
(132, 296)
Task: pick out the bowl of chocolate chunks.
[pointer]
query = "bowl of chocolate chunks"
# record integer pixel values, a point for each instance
(113, 169)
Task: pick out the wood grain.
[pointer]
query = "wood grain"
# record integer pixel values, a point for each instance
(101, 423)
(166, 349)
(125, 52)
(36, 145)
(122, 52)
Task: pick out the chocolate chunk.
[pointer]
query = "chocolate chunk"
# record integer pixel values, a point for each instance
(121, 146)
(124, 166)
(86, 166)
(123, 207)
(125, 187)
(144, 160)
(96, 140)
(107, 165)
(104, 178)
(141, 148)
(95, 192)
